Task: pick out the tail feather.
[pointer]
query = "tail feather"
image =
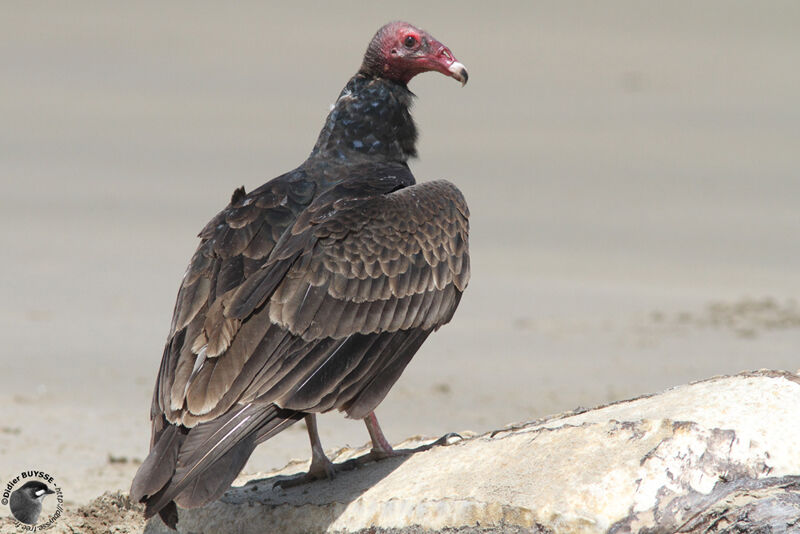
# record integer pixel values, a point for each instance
(215, 479)
(195, 466)
(157, 469)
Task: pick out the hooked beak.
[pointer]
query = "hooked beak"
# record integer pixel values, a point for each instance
(446, 63)
(459, 72)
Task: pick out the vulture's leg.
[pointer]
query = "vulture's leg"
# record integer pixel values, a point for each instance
(381, 448)
(321, 467)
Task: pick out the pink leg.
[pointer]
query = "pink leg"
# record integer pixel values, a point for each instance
(381, 448)
(321, 467)
(380, 445)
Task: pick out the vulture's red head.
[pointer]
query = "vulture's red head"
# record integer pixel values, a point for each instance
(400, 51)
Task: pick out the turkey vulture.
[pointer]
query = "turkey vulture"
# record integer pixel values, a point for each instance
(312, 292)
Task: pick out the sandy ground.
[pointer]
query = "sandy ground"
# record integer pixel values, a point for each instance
(632, 171)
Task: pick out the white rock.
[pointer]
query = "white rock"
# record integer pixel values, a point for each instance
(713, 454)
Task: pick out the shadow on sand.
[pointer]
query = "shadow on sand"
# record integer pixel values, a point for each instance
(322, 501)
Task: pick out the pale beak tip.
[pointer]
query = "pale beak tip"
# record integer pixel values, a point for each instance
(459, 72)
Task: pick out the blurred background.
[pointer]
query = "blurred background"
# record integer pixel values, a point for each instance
(633, 171)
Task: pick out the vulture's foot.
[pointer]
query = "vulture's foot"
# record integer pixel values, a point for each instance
(379, 452)
(321, 469)
(444, 440)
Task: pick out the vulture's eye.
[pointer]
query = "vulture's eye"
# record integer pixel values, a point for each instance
(410, 41)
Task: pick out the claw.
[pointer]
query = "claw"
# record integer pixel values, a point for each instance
(321, 467)
(445, 440)
(327, 473)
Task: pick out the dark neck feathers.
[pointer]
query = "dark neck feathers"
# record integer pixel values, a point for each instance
(369, 121)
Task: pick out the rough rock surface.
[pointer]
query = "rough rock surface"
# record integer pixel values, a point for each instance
(721, 455)
(111, 513)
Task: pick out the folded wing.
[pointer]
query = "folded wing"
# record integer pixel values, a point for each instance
(326, 314)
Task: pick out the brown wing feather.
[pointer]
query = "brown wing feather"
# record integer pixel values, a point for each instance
(234, 246)
(391, 306)
(379, 268)
(376, 255)
(291, 306)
